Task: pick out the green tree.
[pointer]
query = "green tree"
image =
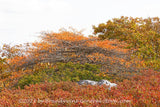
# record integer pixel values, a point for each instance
(141, 34)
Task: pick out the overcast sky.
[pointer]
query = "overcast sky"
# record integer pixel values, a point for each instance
(23, 20)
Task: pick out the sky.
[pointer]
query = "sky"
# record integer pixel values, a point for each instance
(22, 21)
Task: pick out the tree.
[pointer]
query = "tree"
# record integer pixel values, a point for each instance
(143, 35)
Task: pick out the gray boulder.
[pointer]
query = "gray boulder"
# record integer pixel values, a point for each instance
(87, 82)
(101, 82)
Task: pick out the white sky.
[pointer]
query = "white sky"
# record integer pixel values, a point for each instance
(23, 20)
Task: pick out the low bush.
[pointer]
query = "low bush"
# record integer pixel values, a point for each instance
(64, 72)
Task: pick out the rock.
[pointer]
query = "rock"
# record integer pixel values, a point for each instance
(106, 82)
(101, 82)
(87, 82)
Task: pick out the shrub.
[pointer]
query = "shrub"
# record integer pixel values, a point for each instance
(64, 72)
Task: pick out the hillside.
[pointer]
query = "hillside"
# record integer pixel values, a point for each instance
(45, 73)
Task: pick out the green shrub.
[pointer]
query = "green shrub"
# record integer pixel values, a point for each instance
(32, 79)
(64, 72)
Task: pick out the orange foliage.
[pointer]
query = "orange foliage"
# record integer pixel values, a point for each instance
(140, 90)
